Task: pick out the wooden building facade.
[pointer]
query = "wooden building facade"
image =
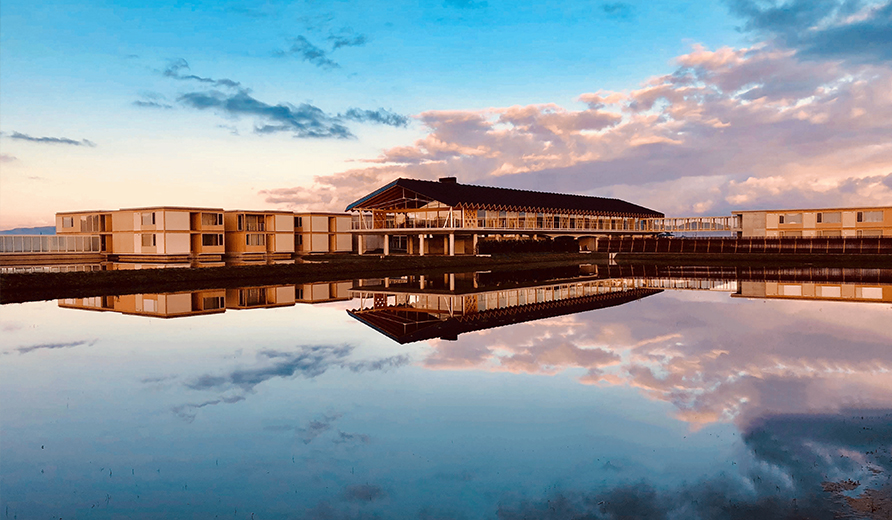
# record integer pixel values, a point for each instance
(427, 217)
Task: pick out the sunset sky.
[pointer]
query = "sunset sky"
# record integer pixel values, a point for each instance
(687, 107)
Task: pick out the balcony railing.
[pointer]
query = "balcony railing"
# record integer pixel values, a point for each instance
(50, 244)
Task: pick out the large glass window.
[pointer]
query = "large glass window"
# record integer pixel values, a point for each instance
(148, 240)
(255, 239)
(212, 239)
(67, 222)
(830, 217)
(792, 218)
(211, 219)
(870, 216)
(148, 219)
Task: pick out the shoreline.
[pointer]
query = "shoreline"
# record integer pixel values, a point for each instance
(24, 287)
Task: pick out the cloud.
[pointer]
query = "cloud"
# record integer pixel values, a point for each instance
(835, 29)
(380, 116)
(317, 427)
(306, 51)
(187, 411)
(151, 104)
(53, 346)
(51, 140)
(727, 129)
(783, 474)
(617, 10)
(5, 158)
(176, 68)
(304, 120)
(346, 38)
(307, 362)
(351, 438)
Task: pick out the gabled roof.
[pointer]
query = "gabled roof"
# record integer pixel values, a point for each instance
(406, 325)
(471, 196)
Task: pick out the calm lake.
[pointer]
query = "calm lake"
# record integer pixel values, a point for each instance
(676, 395)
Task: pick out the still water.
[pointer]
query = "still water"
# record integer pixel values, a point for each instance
(467, 396)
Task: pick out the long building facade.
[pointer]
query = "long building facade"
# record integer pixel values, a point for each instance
(829, 222)
(182, 234)
(428, 217)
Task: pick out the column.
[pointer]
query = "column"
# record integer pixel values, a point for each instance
(445, 245)
(451, 281)
(420, 245)
(386, 245)
(360, 243)
(451, 244)
(474, 243)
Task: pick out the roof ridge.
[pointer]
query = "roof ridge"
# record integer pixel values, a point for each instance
(516, 189)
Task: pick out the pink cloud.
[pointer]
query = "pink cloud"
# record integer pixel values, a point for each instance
(730, 128)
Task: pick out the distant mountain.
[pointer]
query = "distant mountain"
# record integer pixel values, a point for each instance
(42, 230)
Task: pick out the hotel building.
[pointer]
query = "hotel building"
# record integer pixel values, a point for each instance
(445, 217)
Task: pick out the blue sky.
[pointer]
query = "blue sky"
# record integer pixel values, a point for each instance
(311, 104)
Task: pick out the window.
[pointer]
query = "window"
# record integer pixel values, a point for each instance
(212, 302)
(250, 223)
(874, 233)
(298, 222)
(833, 217)
(148, 219)
(67, 222)
(211, 219)
(300, 240)
(870, 216)
(255, 239)
(791, 218)
(780, 219)
(210, 239)
(148, 240)
(251, 297)
(831, 234)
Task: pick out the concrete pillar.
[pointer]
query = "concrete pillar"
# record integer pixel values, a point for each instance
(474, 243)
(420, 245)
(410, 245)
(360, 243)
(386, 245)
(421, 282)
(451, 282)
(445, 244)
(451, 244)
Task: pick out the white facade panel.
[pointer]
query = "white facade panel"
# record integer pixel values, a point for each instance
(176, 243)
(319, 224)
(284, 242)
(174, 220)
(284, 223)
(319, 243)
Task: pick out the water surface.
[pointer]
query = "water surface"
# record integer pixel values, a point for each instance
(631, 397)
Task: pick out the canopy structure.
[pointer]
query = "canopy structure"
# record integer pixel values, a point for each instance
(428, 217)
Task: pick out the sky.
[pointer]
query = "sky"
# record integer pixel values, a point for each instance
(687, 107)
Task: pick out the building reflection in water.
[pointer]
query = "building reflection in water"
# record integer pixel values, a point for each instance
(417, 308)
(212, 301)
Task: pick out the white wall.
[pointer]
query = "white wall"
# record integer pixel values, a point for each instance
(319, 243)
(284, 242)
(174, 220)
(284, 223)
(176, 243)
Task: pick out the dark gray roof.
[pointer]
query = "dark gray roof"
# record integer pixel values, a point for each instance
(468, 195)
